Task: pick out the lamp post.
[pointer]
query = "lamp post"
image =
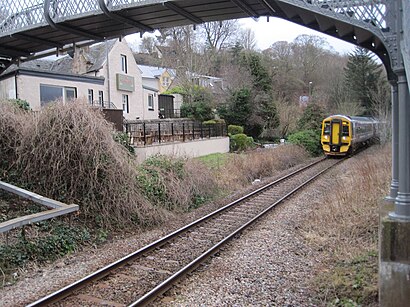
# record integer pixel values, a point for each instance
(310, 88)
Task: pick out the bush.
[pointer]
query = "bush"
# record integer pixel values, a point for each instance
(309, 139)
(12, 121)
(22, 104)
(234, 129)
(197, 110)
(240, 142)
(67, 152)
(209, 122)
(123, 139)
(220, 121)
(175, 184)
(62, 240)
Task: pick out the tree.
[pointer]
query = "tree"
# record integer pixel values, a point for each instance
(362, 75)
(147, 44)
(288, 114)
(282, 70)
(238, 108)
(266, 109)
(247, 39)
(197, 102)
(262, 80)
(255, 98)
(219, 35)
(312, 118)
(308, 52)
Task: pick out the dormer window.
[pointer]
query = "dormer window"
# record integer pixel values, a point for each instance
(165, 81)
(124, 67)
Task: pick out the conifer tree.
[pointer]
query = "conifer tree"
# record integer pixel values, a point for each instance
(362, 75)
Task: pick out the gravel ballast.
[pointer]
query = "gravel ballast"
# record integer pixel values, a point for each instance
(269, 264)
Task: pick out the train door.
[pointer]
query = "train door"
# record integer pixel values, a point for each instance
(335, 135)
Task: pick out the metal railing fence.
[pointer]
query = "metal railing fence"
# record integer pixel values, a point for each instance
(102, 104)
(142, 134)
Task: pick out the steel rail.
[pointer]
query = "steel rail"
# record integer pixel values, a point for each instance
(69, 289)
(165, 285)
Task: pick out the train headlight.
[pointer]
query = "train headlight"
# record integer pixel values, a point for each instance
(326, 137)
(344, 138)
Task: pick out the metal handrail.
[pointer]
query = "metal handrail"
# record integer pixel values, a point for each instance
(56, 208)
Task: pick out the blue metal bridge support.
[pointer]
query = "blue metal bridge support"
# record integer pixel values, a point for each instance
(394, 268)
(402, 201)
(394, 186)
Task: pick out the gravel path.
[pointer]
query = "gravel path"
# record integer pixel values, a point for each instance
(270, 264)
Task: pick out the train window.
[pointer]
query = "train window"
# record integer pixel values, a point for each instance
(345, 130)
(326, 131)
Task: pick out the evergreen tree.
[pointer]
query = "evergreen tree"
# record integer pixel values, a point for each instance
(264, 113)
(312, 118)
(238, 108)
(262, 81)
(362, 75)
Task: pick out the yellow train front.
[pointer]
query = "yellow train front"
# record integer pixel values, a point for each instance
(342, 135)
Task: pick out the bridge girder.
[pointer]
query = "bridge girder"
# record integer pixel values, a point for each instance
(37, 25)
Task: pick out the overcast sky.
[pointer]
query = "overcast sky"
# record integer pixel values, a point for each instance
(276, 29)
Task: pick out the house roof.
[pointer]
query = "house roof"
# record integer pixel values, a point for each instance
(150, 88)
(152, 72)
(63, 65)
(98, 54)
(35, 65)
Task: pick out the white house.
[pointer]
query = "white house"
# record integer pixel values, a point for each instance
(105, 74)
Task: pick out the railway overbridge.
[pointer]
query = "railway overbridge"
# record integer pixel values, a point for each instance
(35, 28)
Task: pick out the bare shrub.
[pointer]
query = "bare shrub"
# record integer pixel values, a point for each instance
(12, 120)
(244, 168)
(67, 152)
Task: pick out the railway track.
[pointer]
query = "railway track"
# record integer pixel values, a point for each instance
(140, 277)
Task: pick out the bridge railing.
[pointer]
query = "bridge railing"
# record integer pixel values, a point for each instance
(19, 18)
(22, 14)
(371, 13)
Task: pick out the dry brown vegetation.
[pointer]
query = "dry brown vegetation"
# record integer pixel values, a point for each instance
(67, 152)
(242, 169)
(11, 129)
(176, 184)
(345, 226)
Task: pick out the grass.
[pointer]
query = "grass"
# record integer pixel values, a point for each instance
(345, 226)
(353, 282)
(216, 160)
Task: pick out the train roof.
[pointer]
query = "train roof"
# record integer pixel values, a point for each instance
(362, 119)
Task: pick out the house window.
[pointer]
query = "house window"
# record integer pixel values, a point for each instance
(165, 81)
(90, 96)
(50, 93)
(150, 102)
(101, 97)
(124, 67)
(70, 93)
(125, 104)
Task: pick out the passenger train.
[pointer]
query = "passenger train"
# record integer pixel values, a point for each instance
(343, 135)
